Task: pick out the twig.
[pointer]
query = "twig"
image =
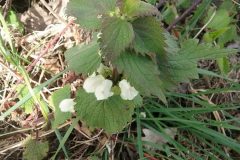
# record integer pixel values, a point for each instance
(16, 145)
(49, 45)
(236, 2)
(45, 51)
(187, 12)
(9, 69)
(7, 7)
(20, 144)
(52, 11)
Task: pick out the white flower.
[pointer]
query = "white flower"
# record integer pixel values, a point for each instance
(103, 91)
(99, 35)
(92, 82)
(127, 91)
(98, 85)
(143, 114)
(99, 16)
(67, 105)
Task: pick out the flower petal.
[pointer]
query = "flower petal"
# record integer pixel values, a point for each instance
(103, 91)
(127, 91)
(92, 82)
(67, 105)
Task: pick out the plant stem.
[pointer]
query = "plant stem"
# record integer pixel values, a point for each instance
(187, 12)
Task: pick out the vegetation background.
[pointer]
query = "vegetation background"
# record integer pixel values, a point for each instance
(201, 120)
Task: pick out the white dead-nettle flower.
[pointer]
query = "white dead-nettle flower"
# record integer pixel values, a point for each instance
(67, 105)
(127, 91)
(143, 114)
(99, 35)
(92, 82)
(99, 16)
(103, 91)
(99, 85)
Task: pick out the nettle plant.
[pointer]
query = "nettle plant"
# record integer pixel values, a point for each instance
(129, 57)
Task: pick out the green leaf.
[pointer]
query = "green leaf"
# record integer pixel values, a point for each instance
(35, 150)
(170, 14)
(224, 65)
(117, 34)
(212, 36)
(138, 101)
(221, 20)
(229, 35)
(153, 2)
(65, 137)
(148, 38)
(130, 6)
(142, 73)
(84, 58)
(183, 4)
(88, 11)
(138, 8)
(182, 63)
(13, 20)
(196, 51)
(55, 99)
(197, 15)
(229, 6)
(30, 104)
(112, 114)
(28, 96)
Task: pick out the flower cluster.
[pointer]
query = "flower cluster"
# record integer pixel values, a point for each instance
(98, 85)
(101, 87)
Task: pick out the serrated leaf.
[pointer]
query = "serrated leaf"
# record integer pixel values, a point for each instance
(181, 65)
(88, 11)
(148, 38)
(142, 73)
(212, 36)
(138, 8)
(170, 14)
(139, 45)
(220, 20)
(55, 99)
(117, 34)
(229, 6)
(30, 104)
(84, 58)
(129, 6)
(229, 35)
(35, 150)
(112, 114)
(195, 51)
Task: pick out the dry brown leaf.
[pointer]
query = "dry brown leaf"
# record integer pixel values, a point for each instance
(37, 17)
(155, 138)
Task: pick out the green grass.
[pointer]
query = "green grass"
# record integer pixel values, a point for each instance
(190, 122)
